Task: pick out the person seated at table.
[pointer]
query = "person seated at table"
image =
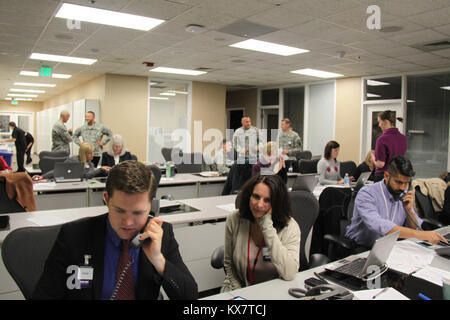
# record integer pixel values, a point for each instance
(328, 167)
(85, 156)
(368, 165)
(271, 162)
(387, 206)
(116, 152)
(262, 240)
(223, 158)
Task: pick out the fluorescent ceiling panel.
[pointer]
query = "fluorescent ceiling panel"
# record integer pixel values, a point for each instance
(26, 90)
(28, 84)
(107, 17)
(179, 92)
(22, 95)
(168, 94)
(20, 99)
(446, 88)
(372, 95)
(36, 74)
(317, 73)
(268, 47)
(158, 98)
(178, 71)
(64, 59)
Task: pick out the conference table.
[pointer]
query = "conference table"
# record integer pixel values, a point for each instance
(89, 193)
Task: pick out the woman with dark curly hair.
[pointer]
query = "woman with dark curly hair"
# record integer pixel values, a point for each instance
(262, 240)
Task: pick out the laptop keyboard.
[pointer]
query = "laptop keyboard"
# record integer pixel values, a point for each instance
(353, 268)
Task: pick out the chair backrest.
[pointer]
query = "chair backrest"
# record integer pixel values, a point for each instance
(424, 204)
(8, 205)
(53, 154)
(167, 153)
(217, 257)
(133, 157)
(307, 155)
(305, 210)
(192, 165)
(307, 166)
(24, 252)
(347, 167)
(47, 164)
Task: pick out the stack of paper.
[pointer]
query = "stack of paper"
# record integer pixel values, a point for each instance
(432, 274)
(227, 207)
(407, 257)
(377, 294)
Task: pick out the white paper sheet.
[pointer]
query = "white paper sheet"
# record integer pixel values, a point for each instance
(432, 274)
(389, 294)
(407, 257)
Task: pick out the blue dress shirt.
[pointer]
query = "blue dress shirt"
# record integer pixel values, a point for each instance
(113, 247)
(375, 214)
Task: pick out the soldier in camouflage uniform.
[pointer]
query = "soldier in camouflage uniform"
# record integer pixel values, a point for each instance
(61, 136)
(290, 142)
(93, 133)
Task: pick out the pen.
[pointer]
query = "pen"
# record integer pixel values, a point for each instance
(384, 290)
(423, 297)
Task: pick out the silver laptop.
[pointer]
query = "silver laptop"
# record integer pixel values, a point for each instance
(361, 180)
(68, 172)
(378, 256)
(305, 182)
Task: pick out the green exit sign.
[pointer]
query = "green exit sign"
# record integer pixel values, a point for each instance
(14, 102)
(46, 71)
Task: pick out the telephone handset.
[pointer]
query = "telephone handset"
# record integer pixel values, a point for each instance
(136, 243)
(403, 194)
(322, 292)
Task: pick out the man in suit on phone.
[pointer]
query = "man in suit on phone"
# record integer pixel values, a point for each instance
(387, 206)
(101, 245)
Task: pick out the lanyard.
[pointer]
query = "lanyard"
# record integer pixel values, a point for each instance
(385, 203)
(251, 273)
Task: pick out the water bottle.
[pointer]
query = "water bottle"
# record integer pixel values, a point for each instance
(347, 180)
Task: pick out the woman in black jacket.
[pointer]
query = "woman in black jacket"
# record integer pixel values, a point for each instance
(116, 152)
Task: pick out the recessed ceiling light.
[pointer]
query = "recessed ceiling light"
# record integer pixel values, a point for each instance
(29, 73)
(27, 90)
(178, 71)
(22, 95)
(64, 59)
(158, 98)
(107, 17)
(27, 84)
(268, 47)
(375, 83)
(317, 73)
(446, 88)
(195, 28)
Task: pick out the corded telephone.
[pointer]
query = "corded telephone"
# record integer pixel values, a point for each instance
(322, 292)
(136, 243)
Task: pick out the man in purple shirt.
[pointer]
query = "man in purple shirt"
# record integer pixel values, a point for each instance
(390, 144)
(387, 206)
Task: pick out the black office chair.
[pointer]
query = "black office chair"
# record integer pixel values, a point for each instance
(168, 152)
(24, 252)
(429, 216)
(332, 202)
(305, 210)
(307, 166)
(347, 167)
(47, 164)
(307, 155)
(157, 178)
(237, 176)
(133, 157)
(43, 154)
(191, 163)
(217, 258)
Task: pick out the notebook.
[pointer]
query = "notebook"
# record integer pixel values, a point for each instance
(68, 172)
(378, 256)
(305, 182)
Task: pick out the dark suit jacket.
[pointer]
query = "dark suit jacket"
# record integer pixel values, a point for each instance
(87, 236)
(108, 160)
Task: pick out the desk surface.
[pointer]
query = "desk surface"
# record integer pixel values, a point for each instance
(207, 207)
(277, 289)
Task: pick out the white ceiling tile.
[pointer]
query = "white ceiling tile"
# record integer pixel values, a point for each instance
(405, 8)
(418, 37)
(158, 9)
(279, 17)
